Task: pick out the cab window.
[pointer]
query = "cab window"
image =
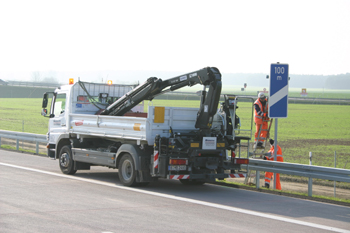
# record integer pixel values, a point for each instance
(60, 104)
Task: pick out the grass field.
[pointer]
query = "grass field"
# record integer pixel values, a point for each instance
(320, 129)
(293, 92)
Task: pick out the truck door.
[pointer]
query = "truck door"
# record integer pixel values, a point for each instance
(57, 125)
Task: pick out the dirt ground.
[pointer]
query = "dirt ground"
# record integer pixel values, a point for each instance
(320, 156)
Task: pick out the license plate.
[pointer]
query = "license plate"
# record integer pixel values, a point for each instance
(177, 168)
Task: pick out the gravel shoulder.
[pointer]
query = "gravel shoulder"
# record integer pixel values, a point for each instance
(302, 187)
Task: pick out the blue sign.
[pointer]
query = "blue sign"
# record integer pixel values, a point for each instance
(278, 101)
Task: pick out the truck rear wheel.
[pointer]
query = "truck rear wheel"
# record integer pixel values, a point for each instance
(66, 161)
(126, 170)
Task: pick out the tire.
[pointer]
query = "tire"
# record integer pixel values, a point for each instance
(192, 182)
(126, 171)
(66, 161)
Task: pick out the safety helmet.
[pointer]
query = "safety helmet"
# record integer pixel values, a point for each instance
(261, 95)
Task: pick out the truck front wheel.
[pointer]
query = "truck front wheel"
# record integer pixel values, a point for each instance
(66, 161)
(126, 170)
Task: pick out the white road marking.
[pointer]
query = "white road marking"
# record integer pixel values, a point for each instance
(204, 203)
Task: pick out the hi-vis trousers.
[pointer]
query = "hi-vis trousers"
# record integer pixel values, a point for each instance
(268, 178)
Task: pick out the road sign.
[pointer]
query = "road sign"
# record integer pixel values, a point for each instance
(303, 92)
(278, 101)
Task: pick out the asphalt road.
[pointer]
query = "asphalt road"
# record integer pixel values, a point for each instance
(36, 197)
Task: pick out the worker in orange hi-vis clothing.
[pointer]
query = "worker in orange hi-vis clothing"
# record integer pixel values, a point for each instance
(260, 117)
(270, 156)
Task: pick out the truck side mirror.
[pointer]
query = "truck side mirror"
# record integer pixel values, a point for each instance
(45, 100)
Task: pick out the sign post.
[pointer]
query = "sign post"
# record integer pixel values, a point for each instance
(278, 101)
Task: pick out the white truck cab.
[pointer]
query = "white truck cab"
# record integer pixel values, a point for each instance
(79, 98)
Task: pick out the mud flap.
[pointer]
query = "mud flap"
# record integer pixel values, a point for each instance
(144, 172)
(144, 176)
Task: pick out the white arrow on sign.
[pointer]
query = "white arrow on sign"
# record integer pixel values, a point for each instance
(278, 95)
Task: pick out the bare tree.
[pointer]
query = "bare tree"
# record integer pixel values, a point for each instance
(50, 79)
(36, 77)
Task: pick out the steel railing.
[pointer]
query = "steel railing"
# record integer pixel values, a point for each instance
(310, 171)
(20, 136)
(325, 173)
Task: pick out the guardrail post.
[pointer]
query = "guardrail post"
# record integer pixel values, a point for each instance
(17, 144)
(335, 166)
(257, 177)
(310, 179)
(37, 148)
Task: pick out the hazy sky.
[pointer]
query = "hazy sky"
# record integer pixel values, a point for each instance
(313, 37)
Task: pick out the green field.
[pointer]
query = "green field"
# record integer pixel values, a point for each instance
(320, 129)
(293, 92)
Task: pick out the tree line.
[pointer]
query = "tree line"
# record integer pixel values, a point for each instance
(340, 81)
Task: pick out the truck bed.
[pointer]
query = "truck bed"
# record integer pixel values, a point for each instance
(141, 129)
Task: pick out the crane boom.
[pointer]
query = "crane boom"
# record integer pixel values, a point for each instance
(209, 76)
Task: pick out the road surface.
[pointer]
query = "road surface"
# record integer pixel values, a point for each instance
(36, 197)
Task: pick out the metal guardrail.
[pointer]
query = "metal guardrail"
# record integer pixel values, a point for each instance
(19, 136)
(32, 84)
(325, 173)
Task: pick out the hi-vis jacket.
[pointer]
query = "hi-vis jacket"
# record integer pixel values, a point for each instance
(259, 111)
(279, 154)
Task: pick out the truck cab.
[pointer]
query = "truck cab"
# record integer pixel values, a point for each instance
(77, 98)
